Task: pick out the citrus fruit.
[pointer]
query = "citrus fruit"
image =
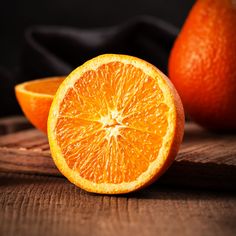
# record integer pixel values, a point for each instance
(115, 124)
(202, 64)
(35, 98)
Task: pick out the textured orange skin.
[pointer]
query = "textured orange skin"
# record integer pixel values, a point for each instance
(35, 100)
(202, 64)
(36, 109)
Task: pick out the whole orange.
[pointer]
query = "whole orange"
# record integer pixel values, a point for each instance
(202, 64)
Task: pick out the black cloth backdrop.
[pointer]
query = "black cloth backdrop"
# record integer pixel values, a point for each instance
(52, 51)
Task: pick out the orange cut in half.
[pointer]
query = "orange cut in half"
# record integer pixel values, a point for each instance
(35, 98)
(115, 124)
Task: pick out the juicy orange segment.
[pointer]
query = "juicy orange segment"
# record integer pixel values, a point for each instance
(115, 124)
(35, 98)
(47, 86)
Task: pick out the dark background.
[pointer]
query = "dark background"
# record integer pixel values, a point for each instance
(17, 15)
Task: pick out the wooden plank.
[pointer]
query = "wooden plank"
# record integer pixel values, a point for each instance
(13, 124)
(41, 205)
(205, 160)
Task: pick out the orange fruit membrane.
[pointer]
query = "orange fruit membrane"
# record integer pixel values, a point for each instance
(115, 124)
(35, 98)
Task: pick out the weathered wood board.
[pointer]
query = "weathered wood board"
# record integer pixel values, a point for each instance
(205, 160)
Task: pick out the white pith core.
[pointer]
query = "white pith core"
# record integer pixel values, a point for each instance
(112, 123)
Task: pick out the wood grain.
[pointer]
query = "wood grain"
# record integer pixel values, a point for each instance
(205, 160)
(40, 205)
(34, 203)
(13, 124)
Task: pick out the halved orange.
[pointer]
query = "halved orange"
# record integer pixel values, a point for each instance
(35, 98)
(115, 124)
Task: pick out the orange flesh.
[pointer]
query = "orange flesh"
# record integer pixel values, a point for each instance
(44, 87)
(111, 123)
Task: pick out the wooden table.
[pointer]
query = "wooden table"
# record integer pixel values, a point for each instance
(35, 202)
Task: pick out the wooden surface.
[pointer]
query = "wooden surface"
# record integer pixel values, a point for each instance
(205, 160)
(39, 204)
(13, 124)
